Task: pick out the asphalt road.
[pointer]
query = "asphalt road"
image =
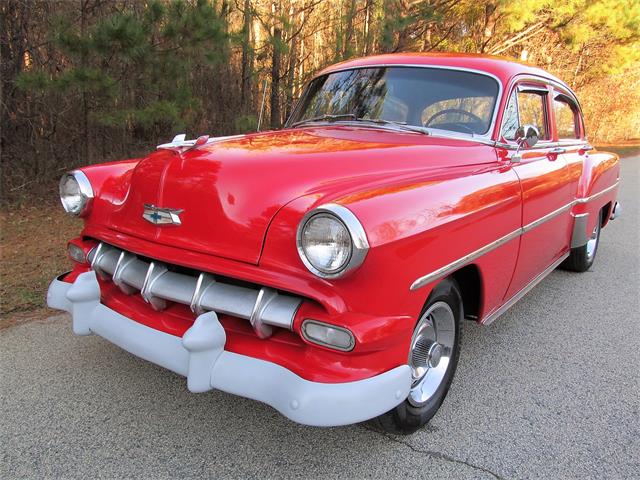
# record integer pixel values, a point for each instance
(551, 390)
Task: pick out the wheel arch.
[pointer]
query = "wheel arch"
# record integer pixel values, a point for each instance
(469, 282)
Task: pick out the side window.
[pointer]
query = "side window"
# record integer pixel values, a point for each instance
(525, 108)
(531, 107)
(510, 120)
(566, 116)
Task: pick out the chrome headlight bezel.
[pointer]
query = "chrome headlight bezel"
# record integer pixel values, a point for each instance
(359, 242)
(85, 193)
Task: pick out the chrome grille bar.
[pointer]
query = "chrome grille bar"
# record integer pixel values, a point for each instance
(263, 308)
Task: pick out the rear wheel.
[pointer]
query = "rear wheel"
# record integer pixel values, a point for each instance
(433, 357)
(581, 258)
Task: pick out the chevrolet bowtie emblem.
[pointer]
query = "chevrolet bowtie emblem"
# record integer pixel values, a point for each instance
(161, 216)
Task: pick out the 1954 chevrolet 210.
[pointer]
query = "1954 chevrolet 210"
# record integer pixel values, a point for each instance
(326, 268)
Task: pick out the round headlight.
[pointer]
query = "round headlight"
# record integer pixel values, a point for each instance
(326, 243)
(75, 193)
(331, 241)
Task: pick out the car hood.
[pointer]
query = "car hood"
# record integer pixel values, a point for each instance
(228, 191)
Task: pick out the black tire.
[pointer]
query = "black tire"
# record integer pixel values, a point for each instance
(406, 418)
(581, 258)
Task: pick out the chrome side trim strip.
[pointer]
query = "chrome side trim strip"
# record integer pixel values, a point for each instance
(527, 288)
(546, 218)
(441, 272)
(596, 195)
(453, 266)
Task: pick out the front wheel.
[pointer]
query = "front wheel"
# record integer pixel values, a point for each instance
(433, 357)
(581, 258)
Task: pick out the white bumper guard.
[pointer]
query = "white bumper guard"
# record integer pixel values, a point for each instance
(200, 356)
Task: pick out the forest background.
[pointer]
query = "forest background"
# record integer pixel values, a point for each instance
(87, 81)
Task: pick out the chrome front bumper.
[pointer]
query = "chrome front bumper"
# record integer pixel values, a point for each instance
(200, 356)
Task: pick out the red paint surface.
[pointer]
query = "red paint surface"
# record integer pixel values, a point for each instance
(424, 202)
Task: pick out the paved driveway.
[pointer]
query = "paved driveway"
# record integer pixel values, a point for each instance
(551, 390)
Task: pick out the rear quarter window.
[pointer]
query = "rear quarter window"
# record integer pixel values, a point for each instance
(566, 119)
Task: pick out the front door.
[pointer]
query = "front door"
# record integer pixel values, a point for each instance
(546, 186)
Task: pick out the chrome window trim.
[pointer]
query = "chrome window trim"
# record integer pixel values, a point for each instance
(359, 242)
(543, 145)
(486, 138)
(462, 261)
(565, 90)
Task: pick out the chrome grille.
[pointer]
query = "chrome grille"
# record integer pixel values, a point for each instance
(263, 307)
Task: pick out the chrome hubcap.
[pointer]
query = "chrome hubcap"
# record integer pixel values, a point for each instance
(431, 349)
(592, 243)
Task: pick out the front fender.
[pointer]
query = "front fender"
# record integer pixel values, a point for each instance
(413, 227)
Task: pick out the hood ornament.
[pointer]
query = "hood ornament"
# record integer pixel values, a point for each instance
(181, 145)
(161, 216)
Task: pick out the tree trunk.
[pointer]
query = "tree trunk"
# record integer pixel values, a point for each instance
(247, 59)
(276, 58)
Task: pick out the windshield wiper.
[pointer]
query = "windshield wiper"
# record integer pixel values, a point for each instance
(396, 124)
(352, 117)
(327, 118)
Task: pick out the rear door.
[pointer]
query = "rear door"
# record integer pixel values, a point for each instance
(569, 133)
(546, 184)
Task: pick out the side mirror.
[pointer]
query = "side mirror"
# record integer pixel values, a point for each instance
(526, 137)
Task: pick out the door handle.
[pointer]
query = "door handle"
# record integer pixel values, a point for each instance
(585, 149)
(552, 155)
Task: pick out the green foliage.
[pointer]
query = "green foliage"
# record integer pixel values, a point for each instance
(150, 55)
(246, 123)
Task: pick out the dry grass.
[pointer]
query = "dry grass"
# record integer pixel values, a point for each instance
(32, 251)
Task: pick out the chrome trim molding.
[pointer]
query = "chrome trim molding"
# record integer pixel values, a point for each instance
(493, 316)
(204, 281)
(86, 192)
(158, 286)
(441, 272)
(265, 295)
(596, 195)
(541, 145)
(179, 142)
(359, 242)
(536, 223)
(579, 236)
(453, 266)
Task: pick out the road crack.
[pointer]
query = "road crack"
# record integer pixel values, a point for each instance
(435, 454)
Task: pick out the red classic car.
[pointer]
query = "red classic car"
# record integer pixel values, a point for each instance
(326, 268)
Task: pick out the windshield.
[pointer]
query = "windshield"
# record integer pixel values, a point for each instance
(451, 100)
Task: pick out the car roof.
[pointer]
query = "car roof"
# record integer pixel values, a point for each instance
(502, 68)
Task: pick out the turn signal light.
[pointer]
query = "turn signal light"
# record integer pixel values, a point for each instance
(76, 253)
(328, 335)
